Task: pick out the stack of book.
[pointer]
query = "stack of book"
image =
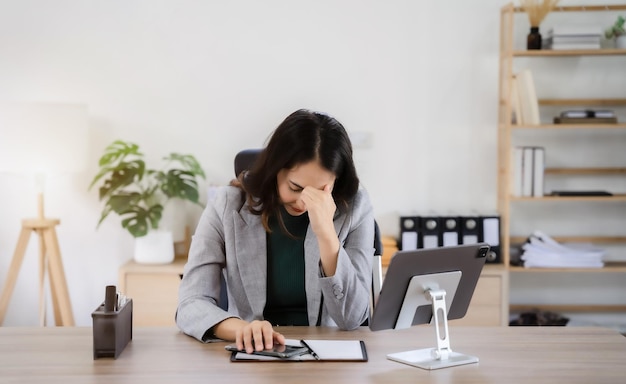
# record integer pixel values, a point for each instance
(528, 165)
(573, 37)
(586, 116)
(542, 251)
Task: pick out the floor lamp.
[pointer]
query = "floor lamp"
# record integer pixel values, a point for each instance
(42, 139)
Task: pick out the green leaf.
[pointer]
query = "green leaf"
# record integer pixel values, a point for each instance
(121, 176)
(180, 184)
(123, 202)
(188, 162)
(117, 151)
(139, 220)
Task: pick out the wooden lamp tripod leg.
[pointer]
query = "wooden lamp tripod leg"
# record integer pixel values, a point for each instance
(13, 272)
(43, 268)
(58, 285)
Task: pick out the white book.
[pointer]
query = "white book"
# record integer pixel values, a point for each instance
(573, 40)
(516, 108)
(517, 161)
(527, 172)
(575, 30)
(539, 155)
(528, 97)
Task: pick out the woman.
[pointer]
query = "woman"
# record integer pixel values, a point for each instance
(294, 237)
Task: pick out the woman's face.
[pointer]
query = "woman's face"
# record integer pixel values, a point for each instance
(292, 181)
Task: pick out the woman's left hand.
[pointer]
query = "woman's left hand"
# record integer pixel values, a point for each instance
(321, 208)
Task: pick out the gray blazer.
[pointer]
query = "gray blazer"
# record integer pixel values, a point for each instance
(229, 237)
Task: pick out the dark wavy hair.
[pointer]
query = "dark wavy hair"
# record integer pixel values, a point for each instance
(302, 137)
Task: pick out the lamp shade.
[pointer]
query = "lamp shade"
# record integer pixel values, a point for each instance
(43, 138)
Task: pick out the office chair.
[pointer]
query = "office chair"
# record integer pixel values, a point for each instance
(244, 160)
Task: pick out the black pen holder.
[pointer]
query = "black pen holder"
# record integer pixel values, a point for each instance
(112, 330)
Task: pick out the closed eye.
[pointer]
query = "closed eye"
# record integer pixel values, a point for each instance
(295, 187)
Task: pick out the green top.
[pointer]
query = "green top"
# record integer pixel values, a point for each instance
(286, 295)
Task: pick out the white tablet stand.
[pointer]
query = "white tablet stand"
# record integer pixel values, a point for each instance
(431, 290)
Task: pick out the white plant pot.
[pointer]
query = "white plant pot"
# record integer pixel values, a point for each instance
(620, 42)
(157, 247)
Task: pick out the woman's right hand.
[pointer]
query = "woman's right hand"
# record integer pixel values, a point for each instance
(257, 335)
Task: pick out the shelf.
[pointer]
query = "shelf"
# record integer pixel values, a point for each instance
(569, 52)
(570, 126)
(582, 8)
(582, 102)
(578, 239)
(619, 197)
(586, 171)
(567, 308)
(608, 267)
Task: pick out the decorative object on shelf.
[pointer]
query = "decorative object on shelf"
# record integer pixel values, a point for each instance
(138, 195)
(537, 11)
(539, 318)
(617, 31)
(586, 116)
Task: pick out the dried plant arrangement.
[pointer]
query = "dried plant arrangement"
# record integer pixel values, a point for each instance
(537, 10)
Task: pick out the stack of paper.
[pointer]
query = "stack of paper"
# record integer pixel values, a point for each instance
(541, 251)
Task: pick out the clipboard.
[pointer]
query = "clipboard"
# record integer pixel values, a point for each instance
(326, 350)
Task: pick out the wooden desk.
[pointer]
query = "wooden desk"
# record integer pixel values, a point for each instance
(164, 355)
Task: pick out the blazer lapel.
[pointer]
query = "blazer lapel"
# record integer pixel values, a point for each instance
(251, 248)
(311, 276)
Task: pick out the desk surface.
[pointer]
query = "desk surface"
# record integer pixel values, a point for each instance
(164, 355)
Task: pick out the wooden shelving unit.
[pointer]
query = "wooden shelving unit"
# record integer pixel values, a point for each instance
(506, 141)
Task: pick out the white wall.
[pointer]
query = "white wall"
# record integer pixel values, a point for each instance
(210, 78)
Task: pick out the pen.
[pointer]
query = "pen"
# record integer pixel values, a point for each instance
(311, 351)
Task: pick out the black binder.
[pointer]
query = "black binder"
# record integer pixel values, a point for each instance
(409, 233)
(470, 230)
(450, 231)
(429, 232)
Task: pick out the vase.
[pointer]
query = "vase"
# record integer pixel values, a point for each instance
(533, 40)
(620, 42)
(157, 247)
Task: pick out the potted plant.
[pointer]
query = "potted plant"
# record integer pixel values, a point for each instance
(139, 194)
(617, 31)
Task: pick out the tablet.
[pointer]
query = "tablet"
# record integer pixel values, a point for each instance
(455, 269)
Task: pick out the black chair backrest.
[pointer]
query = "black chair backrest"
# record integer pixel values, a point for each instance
(245, 159)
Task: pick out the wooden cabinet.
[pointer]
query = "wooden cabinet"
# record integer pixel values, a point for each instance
(489, 305)
(154, 290)
(585, 62)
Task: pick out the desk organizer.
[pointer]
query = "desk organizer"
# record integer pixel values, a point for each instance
(112, 330)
